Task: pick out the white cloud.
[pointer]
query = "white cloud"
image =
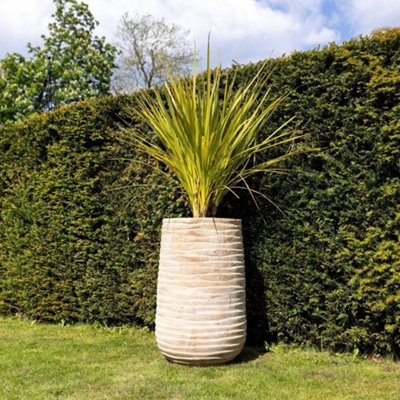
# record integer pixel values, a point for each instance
(244, 30)
(22, 22)
(324, 35)
(366, 15)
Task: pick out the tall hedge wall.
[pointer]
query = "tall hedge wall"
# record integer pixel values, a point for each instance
(81, 211)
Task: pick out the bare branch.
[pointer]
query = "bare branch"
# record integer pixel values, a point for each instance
(148, 48)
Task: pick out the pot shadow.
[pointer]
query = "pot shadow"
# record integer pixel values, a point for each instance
(249, 353)
(256, 305)
(253, 225)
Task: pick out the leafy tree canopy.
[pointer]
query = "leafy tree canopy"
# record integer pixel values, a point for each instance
(73, 64)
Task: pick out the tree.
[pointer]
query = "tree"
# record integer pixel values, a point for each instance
(19, 87)
(72, 65)
(149, 47)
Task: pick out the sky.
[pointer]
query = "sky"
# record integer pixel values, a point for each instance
(241, 30)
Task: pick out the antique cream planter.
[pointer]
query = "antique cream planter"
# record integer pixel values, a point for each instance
(201, 311)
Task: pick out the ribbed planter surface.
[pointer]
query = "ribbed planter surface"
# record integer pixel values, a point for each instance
(201, 312)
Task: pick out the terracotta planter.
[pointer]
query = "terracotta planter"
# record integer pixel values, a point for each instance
(201, 314)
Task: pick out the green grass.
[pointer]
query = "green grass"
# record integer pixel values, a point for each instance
(39, 361)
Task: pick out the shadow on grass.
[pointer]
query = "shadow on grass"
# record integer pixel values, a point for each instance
(249, 353)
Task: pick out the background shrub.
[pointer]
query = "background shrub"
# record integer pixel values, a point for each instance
(81, 212)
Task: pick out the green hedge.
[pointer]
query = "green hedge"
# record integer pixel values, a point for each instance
(79, 221)
(81, 212)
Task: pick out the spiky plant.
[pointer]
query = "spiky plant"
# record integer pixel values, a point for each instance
(208, 140)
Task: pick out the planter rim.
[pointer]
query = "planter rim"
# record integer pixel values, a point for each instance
(200, 219)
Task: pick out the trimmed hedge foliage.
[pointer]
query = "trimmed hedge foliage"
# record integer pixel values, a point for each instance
(81, 212)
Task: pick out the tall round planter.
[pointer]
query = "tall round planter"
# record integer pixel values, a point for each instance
(201, 312)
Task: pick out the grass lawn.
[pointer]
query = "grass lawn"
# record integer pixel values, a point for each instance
(39, 361)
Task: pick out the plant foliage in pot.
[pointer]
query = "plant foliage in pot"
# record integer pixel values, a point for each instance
(206, 134)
